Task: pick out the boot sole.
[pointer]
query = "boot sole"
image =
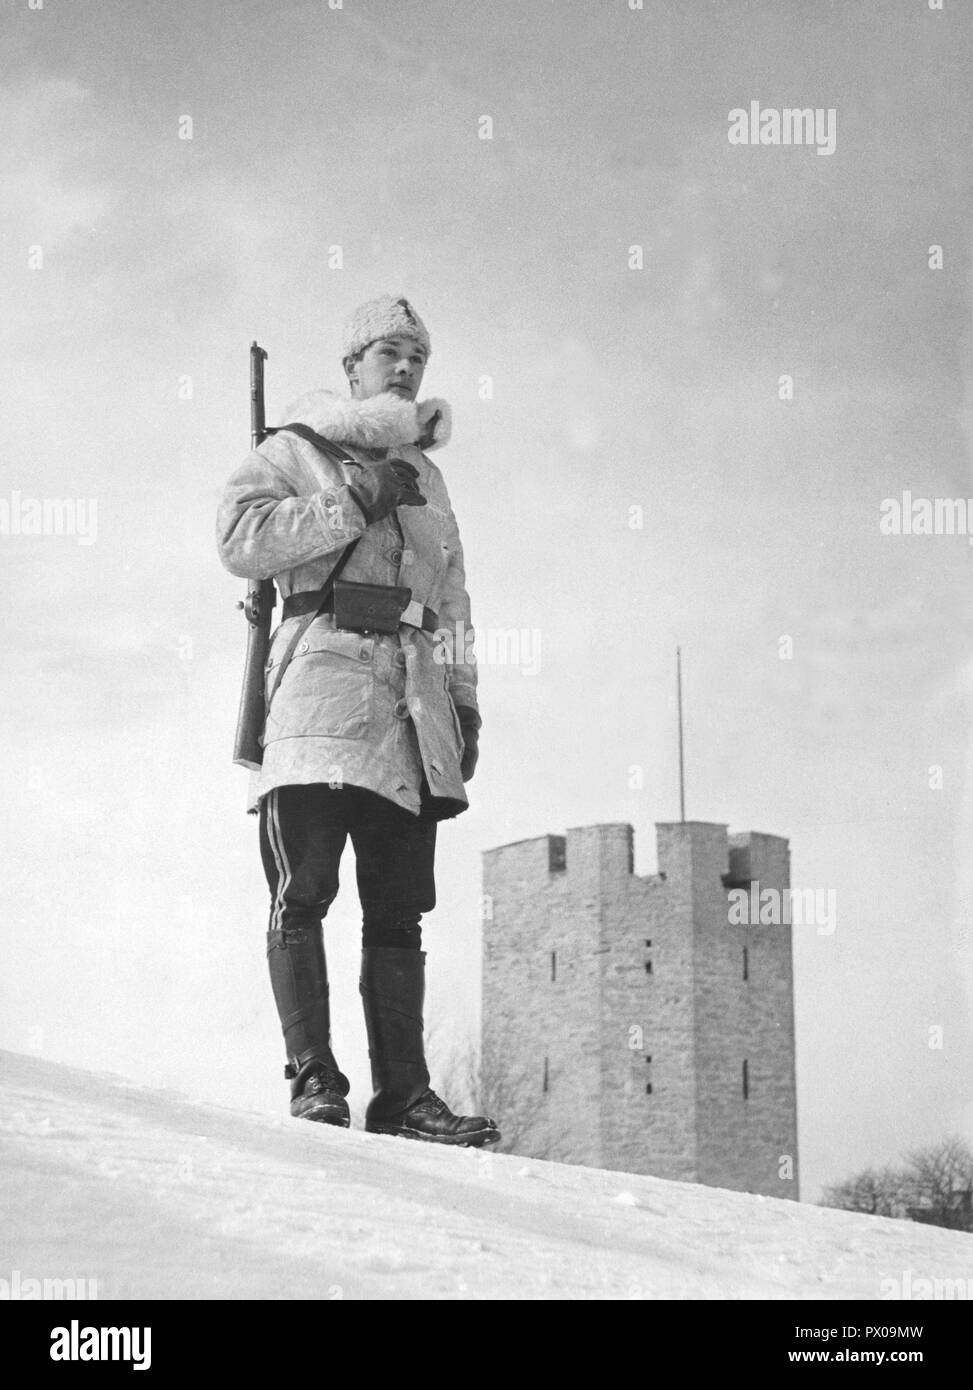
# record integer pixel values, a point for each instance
(325, 1115)
(478, 1139)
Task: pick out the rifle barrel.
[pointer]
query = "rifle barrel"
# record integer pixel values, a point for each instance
(258, 605)
(258, 427)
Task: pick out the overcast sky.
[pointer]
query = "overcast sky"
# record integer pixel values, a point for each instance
(133, 900)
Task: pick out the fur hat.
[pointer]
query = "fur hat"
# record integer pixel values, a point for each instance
(384, 317)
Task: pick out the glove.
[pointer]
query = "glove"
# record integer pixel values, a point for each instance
(381, 487)
(470, 723)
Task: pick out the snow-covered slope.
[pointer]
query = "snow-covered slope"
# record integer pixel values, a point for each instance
(155, 1196)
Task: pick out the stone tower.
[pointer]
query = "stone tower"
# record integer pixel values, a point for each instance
(627, 1023)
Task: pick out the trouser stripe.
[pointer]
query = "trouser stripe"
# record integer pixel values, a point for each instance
(276, 839)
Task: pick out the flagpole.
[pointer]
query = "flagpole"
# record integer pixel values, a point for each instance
(682, 783)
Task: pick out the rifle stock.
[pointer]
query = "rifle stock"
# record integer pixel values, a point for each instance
(258, 608)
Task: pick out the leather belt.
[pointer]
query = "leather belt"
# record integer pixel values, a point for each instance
(415, 615)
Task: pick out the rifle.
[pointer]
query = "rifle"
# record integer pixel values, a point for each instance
(257, 606)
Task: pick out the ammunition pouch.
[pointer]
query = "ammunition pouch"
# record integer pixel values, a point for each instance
(368, 607)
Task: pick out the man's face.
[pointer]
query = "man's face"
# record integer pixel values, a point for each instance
(389, 364)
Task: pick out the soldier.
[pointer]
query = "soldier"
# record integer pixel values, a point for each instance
(369, 734)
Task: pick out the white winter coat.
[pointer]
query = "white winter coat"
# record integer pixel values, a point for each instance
(375, 711)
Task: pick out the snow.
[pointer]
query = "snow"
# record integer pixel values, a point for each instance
(157, 1196)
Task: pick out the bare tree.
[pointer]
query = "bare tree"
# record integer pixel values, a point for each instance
(492, 1082)
(935, 1186)
(878, 1191)
(942, 1184)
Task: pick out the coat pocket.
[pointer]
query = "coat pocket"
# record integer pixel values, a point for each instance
(328, 689)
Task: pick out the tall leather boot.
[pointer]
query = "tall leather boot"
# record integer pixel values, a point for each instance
(299, 977)
(392, 989)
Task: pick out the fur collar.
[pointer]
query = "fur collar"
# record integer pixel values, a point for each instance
(378, 422)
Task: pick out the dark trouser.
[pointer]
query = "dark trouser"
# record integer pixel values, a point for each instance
(302, 834)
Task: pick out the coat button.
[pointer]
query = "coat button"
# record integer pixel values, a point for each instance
(363, 653)
(401, 710)
(304, 647)
(395, 556)
(399, 658)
